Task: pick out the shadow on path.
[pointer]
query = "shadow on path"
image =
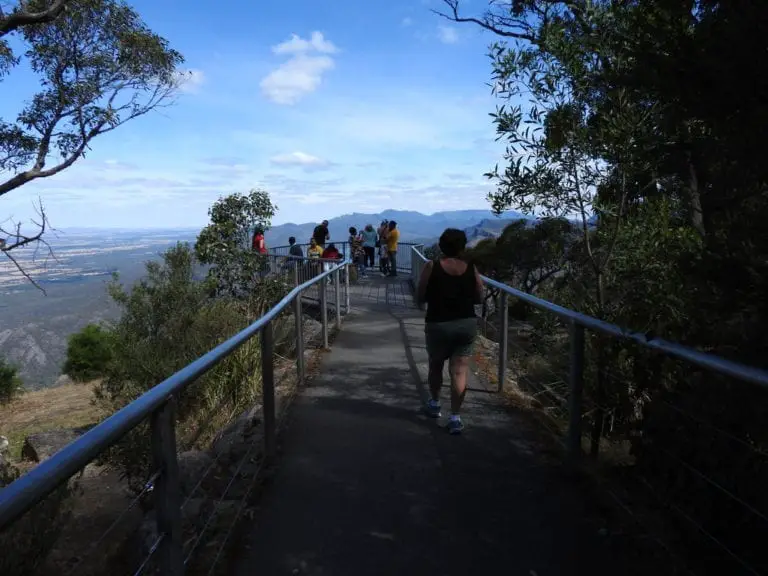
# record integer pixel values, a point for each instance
(367, 485)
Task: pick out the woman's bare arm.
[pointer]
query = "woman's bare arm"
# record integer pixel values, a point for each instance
(421, 293)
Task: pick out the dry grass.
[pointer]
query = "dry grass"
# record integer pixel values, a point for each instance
(68, 406)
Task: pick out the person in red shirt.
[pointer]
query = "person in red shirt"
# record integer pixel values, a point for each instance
(331, 253)
(258, 244)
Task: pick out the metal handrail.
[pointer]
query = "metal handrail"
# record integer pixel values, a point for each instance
(342, 246)
(701, 359)
(21, 495)
(578, 324)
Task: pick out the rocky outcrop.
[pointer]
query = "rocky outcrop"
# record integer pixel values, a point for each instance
(3, 454)
(194, 515)
(43, 445)
(233, 442)
(193, 464)
(63, 380)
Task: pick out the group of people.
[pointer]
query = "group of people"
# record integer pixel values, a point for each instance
(364, 246)
(367, 243)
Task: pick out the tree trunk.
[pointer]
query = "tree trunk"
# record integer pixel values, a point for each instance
(694, 199)
(600, 384)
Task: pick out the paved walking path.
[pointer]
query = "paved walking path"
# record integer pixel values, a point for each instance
(367, 486)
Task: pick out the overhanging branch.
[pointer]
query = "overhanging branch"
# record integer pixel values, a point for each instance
(16, 239)
(497, 25)
(19, 18)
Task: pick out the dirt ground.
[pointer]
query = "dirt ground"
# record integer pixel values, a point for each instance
(90, 545)
(68, 406)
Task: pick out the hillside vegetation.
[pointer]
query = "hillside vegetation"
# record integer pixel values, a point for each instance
(167, 319)
(647, 119)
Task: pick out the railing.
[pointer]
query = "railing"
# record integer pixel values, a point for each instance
(168, 550)
(297, 270)
(680, 436)
(403, 253)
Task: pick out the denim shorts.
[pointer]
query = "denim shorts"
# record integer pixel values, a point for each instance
(452, 338)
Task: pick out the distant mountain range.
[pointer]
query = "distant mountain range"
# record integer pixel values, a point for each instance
(34, 328)
(413, 226)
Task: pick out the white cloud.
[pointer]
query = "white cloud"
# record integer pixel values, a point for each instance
(191, 80)
(297, 45)
(407, 21)
(447, 34)
(398, 120)
(300, 160)
(303, 72)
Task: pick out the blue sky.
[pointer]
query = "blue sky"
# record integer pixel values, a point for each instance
(332, 106)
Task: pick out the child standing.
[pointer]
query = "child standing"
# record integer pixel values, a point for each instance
(384, 259)
(356, 251)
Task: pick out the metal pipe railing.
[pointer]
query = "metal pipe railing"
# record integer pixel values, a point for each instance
(578, 324)
(403, 252)
(158, 405)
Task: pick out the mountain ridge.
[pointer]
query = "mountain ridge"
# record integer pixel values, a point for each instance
(413, 226)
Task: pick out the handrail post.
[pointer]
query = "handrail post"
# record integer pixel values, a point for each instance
(576, 378)
(167, 489)
(297, 313)
(503, 338)
(346, 288)
(324, 311)
(337, 295)
(268, 390)
(296, 264)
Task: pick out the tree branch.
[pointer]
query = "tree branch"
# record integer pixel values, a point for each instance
(18, 18)
(489, 22)
(18, 240)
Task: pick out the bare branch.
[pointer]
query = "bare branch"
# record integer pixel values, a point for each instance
(19, 18)
(499, 25)
(16, 239)
(24, 273)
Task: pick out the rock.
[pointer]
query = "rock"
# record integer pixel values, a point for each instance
(192, 465)
(43, 445)
(147, 531)
(311, 330)
(193, 517)
(63, 380)
(285, 334)
(4, 444)
(233, 442)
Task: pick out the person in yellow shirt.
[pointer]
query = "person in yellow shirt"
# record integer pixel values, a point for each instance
(314, 250)
(314, 253)
(392, 238)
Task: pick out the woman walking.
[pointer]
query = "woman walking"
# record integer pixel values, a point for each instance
(450, 287)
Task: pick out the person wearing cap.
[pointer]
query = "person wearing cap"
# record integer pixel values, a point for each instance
(321, 234)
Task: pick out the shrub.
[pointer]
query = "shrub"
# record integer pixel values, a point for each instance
(169, 320)
(10, 383)
(89, 353)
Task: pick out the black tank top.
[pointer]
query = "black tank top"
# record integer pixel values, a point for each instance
(450, 297)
